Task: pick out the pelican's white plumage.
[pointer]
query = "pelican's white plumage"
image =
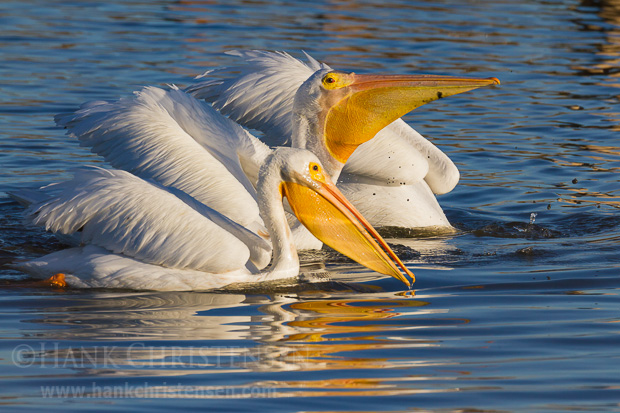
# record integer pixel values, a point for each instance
(127, 215)
(179, 155)
(178, 141)
(261, 95)
(398, 169)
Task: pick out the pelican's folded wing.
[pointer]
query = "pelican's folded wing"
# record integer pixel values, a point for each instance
(181, 142)
(259, 94)
(398, 155)
(126, 215)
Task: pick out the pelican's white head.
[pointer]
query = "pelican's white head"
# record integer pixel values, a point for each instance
(324, 210)
(334, 112)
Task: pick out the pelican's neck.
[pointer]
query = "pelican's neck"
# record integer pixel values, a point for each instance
(309, 133)
(285, 262)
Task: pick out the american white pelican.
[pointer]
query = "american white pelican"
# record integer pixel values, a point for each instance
(142, 235)
(392, 178)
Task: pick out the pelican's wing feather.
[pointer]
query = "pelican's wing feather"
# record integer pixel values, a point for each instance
(127, 215)
(258, 93)
(170, 137)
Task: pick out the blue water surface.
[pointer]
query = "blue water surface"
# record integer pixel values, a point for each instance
(518, 311)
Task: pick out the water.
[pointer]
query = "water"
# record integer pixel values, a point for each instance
(511, 313)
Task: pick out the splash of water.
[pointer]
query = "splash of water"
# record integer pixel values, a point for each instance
(528, 227)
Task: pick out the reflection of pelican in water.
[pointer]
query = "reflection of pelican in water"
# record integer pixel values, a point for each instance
(280, 325)
(171, 335)
(168, 244)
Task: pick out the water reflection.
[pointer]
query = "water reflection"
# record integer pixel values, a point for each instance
(279, 333)
(190, 334)
(608, 53)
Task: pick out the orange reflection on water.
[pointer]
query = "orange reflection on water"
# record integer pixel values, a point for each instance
(285, 389)
(584, 196)
(344, 311)
(328, 331)
(610, 53)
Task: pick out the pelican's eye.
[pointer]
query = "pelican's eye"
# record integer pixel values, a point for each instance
(332, 81)
(314, 168)
(336, 80)
(315, 172)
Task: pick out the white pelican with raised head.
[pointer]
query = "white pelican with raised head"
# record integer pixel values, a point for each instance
(393, 178)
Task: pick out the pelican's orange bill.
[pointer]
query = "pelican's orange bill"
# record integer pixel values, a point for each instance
(335, 221)
(364, 104)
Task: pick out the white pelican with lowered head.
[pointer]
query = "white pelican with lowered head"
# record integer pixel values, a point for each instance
(141, 235)
(393, 178)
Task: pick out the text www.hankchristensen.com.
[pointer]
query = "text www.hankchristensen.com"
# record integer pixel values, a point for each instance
(163, 390)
